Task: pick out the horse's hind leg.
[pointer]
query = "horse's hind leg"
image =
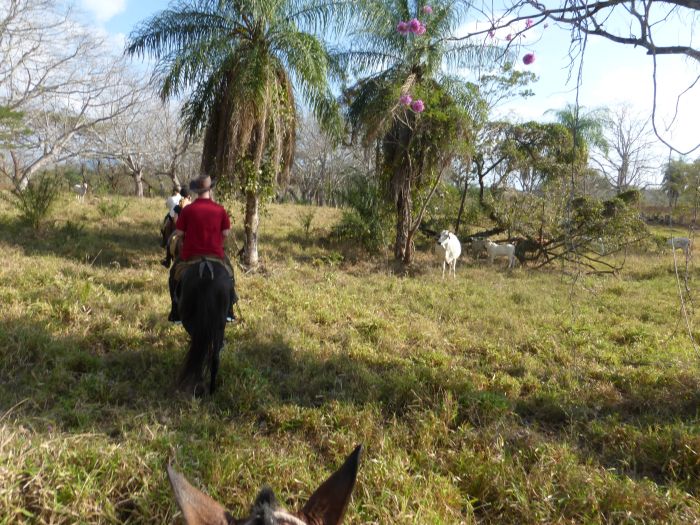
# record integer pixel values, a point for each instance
(218, 344)
(214, 370)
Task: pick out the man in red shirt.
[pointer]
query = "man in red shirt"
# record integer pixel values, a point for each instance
(203, 226)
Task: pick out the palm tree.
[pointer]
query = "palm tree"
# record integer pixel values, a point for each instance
(675, 181)
(240, 64)
(392, 63)
(588, 126)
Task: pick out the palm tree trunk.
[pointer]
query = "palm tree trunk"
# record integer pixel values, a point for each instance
(252, 199)
(252, 221)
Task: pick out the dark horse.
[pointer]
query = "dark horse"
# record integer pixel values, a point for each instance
(166, 230)
(203, 302)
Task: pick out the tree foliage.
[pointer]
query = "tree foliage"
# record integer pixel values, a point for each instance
(241, 66)
(416, 147)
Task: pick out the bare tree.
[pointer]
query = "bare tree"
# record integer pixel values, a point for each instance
(629, 158)
(60, 80)
(175, 156)
(661, 27)
(321, 167)
(131, 138)
(642, 24)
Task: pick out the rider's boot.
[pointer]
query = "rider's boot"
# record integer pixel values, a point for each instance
(174, 315)
(231, 317)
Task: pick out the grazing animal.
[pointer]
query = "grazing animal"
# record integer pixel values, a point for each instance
(682, 243)
(501, 250)
(203, 303)
(80, 190)
(450, 244)
(326, 506)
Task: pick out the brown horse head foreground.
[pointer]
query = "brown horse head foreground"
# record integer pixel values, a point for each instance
(326, 506)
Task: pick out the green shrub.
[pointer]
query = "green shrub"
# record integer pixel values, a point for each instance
(306, 217)
(111, 208)
(35, 202)
(365, 220)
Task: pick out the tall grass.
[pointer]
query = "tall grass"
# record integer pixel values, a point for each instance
(501, 398)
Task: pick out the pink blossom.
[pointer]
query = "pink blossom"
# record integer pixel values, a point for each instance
(418, 106)
(528, 23)
(414, 25)
(421, 30)
(529, 58)
(402, 27)
(492, 33)
(427, 10)
(509, 37)
(405, 99)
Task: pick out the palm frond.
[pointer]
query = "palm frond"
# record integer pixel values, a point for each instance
(178, 28)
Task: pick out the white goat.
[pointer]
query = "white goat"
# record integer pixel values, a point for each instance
(452, 247)
(501, 250)
(80, 191)
(680, 242)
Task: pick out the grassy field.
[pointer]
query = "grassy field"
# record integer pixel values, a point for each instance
(500, 398)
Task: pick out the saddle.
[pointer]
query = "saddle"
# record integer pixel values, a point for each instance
(207, 260)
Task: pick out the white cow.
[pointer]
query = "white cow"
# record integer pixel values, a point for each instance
(452, 247)
(501, 250)
(80, 191)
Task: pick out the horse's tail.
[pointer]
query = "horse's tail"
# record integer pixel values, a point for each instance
(205, 305)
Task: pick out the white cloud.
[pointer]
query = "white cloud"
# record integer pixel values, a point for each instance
(103, 10)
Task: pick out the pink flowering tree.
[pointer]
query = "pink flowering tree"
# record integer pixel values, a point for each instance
(405, 100)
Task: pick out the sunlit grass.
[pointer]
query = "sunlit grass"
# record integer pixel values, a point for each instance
(499, 397)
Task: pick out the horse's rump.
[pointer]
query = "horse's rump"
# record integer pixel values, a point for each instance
(204, 302)
(205, 287)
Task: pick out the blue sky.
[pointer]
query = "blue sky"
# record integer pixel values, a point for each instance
(612, 73)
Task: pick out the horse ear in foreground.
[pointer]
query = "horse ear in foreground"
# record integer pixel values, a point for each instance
(326, 506)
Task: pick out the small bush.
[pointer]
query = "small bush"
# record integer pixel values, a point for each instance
(306, 217)
(35, 202)
(111, 208)
(364, 221)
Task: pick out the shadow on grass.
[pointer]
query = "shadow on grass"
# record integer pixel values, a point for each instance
(102, 380)
(82, 383)
(104, 366)
(99, 245)
(648, 434)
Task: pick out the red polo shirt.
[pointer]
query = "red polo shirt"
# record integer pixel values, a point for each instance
(203, 221)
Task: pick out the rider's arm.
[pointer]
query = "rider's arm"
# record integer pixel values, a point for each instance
(179, 233)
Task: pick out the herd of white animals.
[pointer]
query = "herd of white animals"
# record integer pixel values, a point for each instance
(452, 249)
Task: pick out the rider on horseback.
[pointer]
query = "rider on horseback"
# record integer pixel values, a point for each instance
(203, 226)
(167, 231)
